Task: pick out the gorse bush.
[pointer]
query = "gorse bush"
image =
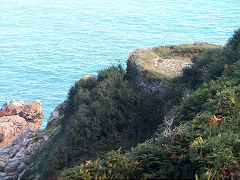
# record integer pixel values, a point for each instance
(113, 166)
(216, 125)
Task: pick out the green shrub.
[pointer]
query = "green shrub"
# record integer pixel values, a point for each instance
(110, 115)
(2, 169)
(101, 114)
(114, 166)
(211, 64)
(234, 43)
(214, 108)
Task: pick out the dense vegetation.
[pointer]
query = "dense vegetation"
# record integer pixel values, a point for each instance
(206, 142)
(100, 115)
(105, 117)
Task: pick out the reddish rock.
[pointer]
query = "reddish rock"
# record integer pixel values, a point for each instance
(4, 112)
(11, 108)
(32, 112)
(10, 128)
(87, 76)
(16, 116)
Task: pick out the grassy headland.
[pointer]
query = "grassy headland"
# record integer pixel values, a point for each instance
(166, 61)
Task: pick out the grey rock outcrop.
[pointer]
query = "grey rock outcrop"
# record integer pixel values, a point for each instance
(55, 113)
(136, 74)
(15, 157)
(58, 111)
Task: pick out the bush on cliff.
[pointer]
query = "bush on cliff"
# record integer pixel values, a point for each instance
(102, 114)
(114, 165)
(107, 113)
(211, 64)
(234, 43)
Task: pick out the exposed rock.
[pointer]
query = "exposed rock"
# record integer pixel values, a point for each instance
(87, 76)
(32, 112)
(12, 108)
(14, 158)
(16, 116)
(54, 114)
(57, 111)
(136, 74)
(10, 128)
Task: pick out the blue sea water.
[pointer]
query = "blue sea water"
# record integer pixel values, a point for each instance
(47, 45)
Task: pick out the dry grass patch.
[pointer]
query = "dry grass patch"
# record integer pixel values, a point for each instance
(167, 61)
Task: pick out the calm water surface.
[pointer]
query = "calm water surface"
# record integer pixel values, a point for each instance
(47, 45)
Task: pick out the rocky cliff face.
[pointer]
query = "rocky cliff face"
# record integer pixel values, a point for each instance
(19, 127)
(15, 157)
(16, 116)
(137, 74)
